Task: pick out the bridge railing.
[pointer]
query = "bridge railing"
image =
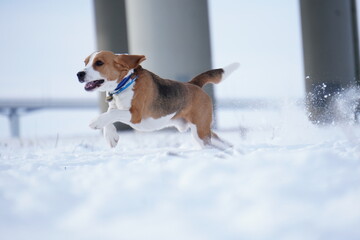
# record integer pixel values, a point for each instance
(14, 108)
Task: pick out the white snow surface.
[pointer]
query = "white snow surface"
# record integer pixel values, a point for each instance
(286, 179)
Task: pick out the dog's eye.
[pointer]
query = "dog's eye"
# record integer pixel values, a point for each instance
(99, 63)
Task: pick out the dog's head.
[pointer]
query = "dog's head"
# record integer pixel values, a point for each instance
(104, 70)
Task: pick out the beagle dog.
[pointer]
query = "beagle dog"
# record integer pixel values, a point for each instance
(147, 102)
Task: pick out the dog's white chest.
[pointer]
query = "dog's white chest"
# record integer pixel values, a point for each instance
(123, 100)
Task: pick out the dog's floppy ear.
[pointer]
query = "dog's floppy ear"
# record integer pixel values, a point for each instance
(87, 59)
(130, 61)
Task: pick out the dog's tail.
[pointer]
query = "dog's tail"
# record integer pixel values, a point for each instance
(214, 76)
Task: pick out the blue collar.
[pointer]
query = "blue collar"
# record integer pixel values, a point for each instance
(122, 86)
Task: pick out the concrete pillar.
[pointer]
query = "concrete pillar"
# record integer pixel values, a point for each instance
(173, 35)
(331, 54)
(14, 123)
(111, 34)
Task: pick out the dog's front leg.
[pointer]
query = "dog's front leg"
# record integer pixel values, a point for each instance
(110, 117)
(111, 135)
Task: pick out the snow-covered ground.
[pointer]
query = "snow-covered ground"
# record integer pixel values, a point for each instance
(287, 179)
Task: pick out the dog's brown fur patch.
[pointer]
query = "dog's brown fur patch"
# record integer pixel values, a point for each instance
(156, 97)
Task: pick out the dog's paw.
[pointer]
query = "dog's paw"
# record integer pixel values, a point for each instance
(111, 135)
(97, 123)
(94, 124)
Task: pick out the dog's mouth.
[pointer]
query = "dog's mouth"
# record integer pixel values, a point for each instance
(93, 84)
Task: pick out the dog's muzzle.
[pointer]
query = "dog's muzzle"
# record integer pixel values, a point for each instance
(81, 76)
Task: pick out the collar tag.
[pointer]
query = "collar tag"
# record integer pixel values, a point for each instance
(109, 98)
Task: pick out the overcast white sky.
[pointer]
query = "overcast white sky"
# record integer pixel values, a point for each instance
(43, 44)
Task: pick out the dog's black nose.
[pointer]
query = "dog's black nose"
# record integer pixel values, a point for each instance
(81, 76)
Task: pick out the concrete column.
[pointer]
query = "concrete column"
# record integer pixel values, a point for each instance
(14, 122)
(173, 35)
(331, 54)
(111, 34)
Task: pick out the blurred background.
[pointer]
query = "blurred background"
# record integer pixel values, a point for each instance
(44, 43)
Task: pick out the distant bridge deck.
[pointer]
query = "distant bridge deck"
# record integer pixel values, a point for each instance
(14, 108)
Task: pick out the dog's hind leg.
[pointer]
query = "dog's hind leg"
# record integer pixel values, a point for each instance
(219, 143)
(201, 119)
(208, 139)
(201, 139)
(201, 131)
